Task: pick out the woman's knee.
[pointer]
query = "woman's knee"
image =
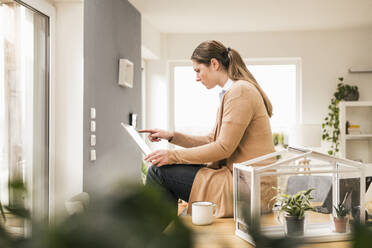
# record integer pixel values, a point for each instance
(153, 175)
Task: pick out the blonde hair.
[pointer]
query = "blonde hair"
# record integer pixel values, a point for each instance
(232, 62)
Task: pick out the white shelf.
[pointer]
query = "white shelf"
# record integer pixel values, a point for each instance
(360, 69)
(358, 136)
(356, 146)
(356, 103)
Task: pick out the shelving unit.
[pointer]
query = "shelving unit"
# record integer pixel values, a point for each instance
(356, 147)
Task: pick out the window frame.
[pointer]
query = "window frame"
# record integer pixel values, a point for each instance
(49, 10)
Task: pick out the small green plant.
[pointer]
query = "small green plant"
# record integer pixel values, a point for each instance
(341, 210)
(294, 205)
(331, 123)
(144, 169)
(278, 139)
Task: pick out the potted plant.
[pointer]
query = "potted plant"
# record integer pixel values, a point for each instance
(341, 218)
(331, 124)
(294, 207)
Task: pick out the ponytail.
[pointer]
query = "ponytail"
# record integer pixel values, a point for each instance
(232, 62)
(237, 70)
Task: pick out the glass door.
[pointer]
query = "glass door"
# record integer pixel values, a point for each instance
(24, 133)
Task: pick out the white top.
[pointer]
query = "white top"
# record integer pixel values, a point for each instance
(227, 85)
(225, 88)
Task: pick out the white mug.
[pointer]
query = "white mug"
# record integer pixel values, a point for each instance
(203, 212)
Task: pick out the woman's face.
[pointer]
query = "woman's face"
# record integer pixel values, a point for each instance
(205, 74)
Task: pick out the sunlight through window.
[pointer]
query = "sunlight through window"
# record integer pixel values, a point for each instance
(196, 107)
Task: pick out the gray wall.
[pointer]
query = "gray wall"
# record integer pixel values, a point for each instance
(112, 30)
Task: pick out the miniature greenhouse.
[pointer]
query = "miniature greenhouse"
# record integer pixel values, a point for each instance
(327, 181)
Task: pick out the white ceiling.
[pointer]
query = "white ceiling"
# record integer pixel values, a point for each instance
(191, 16)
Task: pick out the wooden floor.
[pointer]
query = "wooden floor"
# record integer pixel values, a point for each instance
(222, 234)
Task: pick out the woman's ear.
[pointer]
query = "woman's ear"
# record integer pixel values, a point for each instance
(215, 64)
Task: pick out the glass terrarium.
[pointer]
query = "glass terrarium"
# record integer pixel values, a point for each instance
(261, 184)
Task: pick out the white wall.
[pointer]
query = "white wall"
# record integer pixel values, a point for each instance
(326, 55)
(157, 92)
(69, 102)
(151, 40)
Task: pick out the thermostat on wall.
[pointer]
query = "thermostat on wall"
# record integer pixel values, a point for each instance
(125, 73)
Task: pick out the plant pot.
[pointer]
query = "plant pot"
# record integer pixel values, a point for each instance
(352, 96)
(340, 224)
(294, 226)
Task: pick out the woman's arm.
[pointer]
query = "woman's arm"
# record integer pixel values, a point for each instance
(177, 138)
(188, 141)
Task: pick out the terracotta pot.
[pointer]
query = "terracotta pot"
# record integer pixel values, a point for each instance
(340, 224)
(294, 226)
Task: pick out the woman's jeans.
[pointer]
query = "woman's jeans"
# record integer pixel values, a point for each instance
(175, 179)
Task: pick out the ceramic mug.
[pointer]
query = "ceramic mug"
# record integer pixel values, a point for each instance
(203, 212)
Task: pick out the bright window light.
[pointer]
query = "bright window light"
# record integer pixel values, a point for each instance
(279, 83)
(196, 107)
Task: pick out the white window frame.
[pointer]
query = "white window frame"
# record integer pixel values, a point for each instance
(49, 10)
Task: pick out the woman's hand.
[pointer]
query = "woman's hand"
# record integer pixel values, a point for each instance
(155, 135)
(158, 158)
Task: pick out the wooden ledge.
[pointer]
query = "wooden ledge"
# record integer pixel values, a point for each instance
(221, 233)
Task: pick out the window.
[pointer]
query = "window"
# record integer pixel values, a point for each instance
(24, 101)
(195, 107)
(279, 80)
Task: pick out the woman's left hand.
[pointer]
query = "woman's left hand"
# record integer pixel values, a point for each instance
(158, 158)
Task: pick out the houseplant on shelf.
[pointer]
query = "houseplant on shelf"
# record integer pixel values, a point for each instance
(331, 124)
(294, 207)
(341, 218)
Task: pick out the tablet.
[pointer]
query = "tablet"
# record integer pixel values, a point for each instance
(137, 138)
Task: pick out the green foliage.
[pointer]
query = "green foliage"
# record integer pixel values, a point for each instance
(278, 139)
(19, 188)
(331, 123)
(132, 216)
(144, 169)
(294, 205)
(341, 211)
(362, 236)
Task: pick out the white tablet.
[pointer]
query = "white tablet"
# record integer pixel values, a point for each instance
(137, 139)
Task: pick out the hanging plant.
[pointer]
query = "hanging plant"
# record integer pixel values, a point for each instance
(331, 124)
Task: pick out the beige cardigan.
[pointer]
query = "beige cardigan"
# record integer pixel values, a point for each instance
(242, 132)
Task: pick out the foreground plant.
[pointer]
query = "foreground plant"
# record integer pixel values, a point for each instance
(132, 216)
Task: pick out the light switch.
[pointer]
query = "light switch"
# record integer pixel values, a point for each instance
(92, 155)
(92, 113)
(92, 140)
(92, 126)
(133, 119)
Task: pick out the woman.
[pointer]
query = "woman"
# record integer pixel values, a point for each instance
(203, 170)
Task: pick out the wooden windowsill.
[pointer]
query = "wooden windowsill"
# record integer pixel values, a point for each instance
(221, 233)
